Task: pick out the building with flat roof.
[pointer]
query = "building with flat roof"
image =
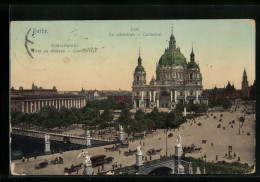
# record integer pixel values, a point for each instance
(33, 100)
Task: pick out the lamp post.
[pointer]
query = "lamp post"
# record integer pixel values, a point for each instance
(166, 142)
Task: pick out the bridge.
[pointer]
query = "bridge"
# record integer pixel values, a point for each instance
(163, 166)
(60, 137)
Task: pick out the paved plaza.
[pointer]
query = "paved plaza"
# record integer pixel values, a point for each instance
(243, 145)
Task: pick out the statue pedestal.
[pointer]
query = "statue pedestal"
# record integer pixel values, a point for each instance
(88, 170)
(121, 136)
(139, 160)
(47, 148)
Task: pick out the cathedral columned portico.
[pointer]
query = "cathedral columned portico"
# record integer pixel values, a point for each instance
(177, 81)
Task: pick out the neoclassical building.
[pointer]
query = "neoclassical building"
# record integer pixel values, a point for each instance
(177, 81)
(33, 100)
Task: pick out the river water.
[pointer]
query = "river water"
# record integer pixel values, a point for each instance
(23, 146)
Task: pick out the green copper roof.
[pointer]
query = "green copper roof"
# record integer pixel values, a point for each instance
(192, 64)
(139, 68)
(170, 58)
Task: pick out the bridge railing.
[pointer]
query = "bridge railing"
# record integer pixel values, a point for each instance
(59, 134)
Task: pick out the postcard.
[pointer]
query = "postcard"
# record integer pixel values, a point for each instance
(132, 97)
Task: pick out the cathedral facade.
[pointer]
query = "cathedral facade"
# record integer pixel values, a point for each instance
(177, 81)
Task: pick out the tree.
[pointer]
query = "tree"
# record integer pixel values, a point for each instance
(157, 118)
(179, 108)
(200, 108)
(174, 120)
(150, 125)
(136, 127)
(139, 115)
(125, 117)
(106, 117)
(226, 104)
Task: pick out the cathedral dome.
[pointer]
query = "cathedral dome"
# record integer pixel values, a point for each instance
(139, 68)
(170, 58)
(192, 64)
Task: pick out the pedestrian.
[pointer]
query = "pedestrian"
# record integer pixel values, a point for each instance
(216, 157)
(212, 144)
(120, 165)
(119, 151)
(116, 165)
(145, 158)
(102, 167)
(113, 166)
(77, 171)
(150, 157)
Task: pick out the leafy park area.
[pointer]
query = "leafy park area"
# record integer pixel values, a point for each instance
(91, 118)
(225, 103)
(222, 167)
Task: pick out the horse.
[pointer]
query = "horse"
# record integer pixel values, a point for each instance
(198, 149)
(60, 160)
(37, 166)
(107, 149)
(158, 151)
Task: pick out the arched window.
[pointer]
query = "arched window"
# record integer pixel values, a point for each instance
(191, 75)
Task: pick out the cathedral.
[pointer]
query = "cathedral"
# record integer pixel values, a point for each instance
(177, 81)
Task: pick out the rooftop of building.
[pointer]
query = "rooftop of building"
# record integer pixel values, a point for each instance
(174, 57)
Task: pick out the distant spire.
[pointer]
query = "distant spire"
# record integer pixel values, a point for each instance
(139, 58)
(192, 55)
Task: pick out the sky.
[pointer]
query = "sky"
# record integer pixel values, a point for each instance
(223, 48)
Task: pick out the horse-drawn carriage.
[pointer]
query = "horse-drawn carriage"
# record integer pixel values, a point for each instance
(139, 136)
(57, 161)
(153, 151)
(170, 135)
(41, 165)
(108, 160)
(111, 149)
(98, 160)
(130, 152)
(191, 149)
(124, 145)
(73, 168)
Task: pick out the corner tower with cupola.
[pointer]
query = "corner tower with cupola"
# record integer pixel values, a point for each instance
(139, 82)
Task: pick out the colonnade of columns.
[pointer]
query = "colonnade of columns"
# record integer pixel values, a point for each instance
(32, 106)
(154, 101)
